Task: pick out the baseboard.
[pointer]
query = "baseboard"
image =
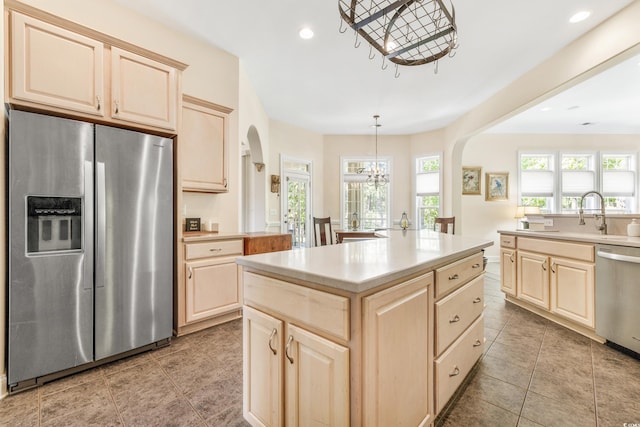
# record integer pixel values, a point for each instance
(4, 392)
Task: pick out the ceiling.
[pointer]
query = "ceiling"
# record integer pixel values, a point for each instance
(328, 86)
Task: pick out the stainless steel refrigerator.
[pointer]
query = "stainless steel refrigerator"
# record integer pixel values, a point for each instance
(90, 244)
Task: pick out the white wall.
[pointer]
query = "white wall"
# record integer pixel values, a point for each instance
(290, 141)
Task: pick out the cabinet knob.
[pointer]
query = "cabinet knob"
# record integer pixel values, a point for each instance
(286, 350)
(273, 334)
(455, 319)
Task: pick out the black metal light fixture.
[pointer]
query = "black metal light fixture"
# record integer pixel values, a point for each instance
(405, 32)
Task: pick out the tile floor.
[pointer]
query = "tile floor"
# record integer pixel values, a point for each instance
(533, 373)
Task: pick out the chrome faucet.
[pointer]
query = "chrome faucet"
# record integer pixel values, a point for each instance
(603, 225)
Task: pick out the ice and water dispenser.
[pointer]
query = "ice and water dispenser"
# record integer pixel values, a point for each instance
(54, 224)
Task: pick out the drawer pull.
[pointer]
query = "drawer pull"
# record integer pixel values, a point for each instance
(215, 249)
(478, 343)
(454, 277)
(511, 257)
(455, 372)
(475, 266)
(544, 265)
(477, 300)
(286, 350)
(190, 273)
(273, 334)
(455, 319)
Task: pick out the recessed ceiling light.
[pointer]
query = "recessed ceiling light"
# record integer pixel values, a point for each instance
(580, 16)
(573, 107)
(306, 33)
(545, 109)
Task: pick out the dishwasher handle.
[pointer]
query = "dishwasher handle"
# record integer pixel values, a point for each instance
(619, 257)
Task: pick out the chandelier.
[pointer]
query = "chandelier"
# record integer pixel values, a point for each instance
(375, 175)
(405, 32)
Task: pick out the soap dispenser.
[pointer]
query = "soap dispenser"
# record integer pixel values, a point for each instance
(633, 229)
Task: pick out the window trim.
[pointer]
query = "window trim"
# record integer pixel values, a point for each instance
(414, 201)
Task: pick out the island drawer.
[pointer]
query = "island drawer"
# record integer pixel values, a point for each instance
(508, 241)
(321, 311)
(454, 365)
(457, 311)
(213, 249)
(454, 275)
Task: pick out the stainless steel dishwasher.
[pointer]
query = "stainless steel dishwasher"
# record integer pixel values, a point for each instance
(618, 295)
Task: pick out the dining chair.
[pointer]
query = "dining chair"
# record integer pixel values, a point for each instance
(443, 223)
(322, 227)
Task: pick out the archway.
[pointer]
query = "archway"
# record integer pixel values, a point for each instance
(254, 182)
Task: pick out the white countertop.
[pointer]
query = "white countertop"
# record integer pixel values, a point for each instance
(609, 239)
(363, 265)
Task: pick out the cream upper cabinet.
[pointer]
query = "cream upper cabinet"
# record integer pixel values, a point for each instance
(70, 69)
(533, 278)
(204, 146)
(142, 90)
(573, 290)
(398, 357)
(55, 67)
(508, 271)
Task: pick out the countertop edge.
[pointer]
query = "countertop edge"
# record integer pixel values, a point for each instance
(611, 239)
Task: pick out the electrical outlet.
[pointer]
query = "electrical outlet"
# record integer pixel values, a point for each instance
(548, 222)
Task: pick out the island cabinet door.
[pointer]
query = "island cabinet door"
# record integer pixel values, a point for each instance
(397, 363)
(262, 369)
(508, 271)
(317, 380)
(533, 278)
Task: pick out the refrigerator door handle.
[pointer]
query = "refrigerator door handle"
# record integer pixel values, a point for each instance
(101, 224)
(88, 224)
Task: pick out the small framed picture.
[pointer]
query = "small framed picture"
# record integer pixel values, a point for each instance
(471, 180)
(192, 224)
(497, 186)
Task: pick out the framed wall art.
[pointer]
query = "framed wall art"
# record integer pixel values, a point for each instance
(471, 180)
(497, 186)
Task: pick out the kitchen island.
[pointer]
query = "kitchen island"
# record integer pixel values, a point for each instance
(377, 332)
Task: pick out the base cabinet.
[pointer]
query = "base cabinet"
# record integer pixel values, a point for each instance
(573, 290)
(212, 288)
(556, 276)
(508, 271)
(210, 291)
(533, 278)
(397, 363)
(314, 382)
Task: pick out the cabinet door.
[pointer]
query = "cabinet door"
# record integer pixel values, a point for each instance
(573, 290)
(55, 67)
(203, 146)
(142, 90)
(397, 374)
(262, 403)
(212, 288)
(508, 271)
(533, 278)
(317, 385)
